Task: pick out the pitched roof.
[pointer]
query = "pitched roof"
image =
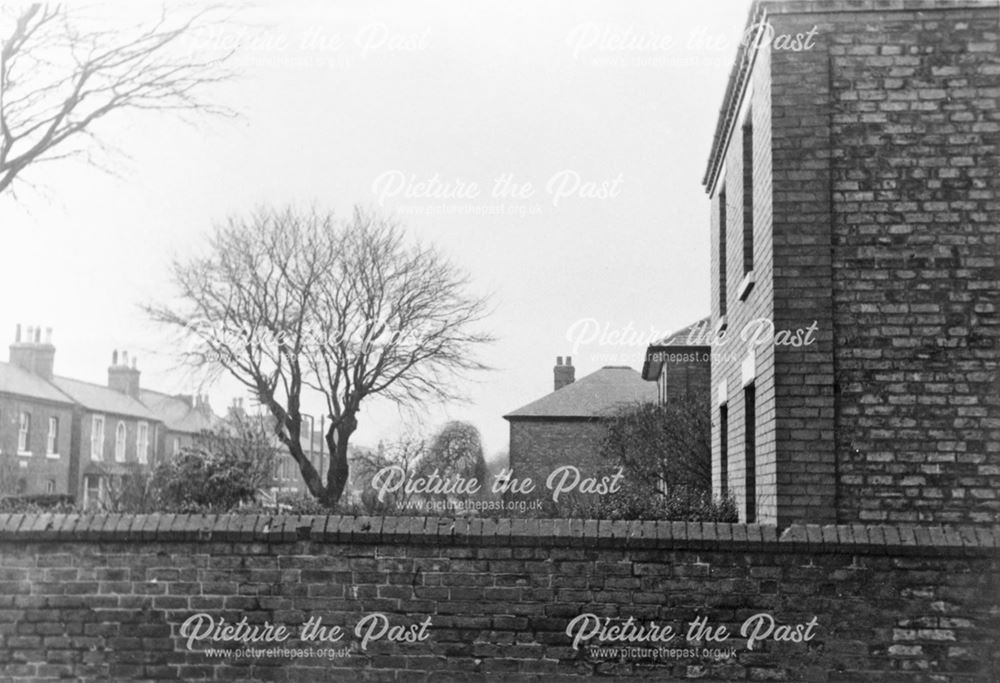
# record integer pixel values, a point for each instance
(14, 380)
(176, 413)
(101, 399)
(599, 394)
(695, 334)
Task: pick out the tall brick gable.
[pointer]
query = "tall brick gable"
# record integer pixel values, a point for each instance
(876, 216)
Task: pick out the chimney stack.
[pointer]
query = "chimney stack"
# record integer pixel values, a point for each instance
(30, 354)
(202, 406)
(123, 378)
(564, 373)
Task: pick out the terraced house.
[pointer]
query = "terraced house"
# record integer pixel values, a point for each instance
(853, 180)
(63, 435)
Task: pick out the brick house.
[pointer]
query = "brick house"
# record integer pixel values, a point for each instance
(853, 185)
(63, 435)
(681, 365)
(566, 426)
(35, 427)
(184, 417)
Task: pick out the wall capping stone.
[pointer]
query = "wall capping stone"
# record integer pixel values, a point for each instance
(864, 539)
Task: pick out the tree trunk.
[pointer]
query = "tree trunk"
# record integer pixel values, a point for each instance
(337, 438)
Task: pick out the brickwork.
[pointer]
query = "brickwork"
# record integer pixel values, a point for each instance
(687, 374)
(98, 598)
(758, 304)
(917, 267)
(879, 222)
(35, 470)
(537, 447)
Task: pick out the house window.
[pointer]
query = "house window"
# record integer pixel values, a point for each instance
(120, 434)
(177, 446)
(52, 443)
(723, 449)
(97, 438)
(750, 452)
(722, 251)
(748, 194)
(142, 443)
(24, 433)
(50, 486)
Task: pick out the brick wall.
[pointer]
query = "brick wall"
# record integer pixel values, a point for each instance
(913, 127)
(729, 356)
(105, 597)
(804, 383)
(687, 374)
(875, 215)
(537, 447)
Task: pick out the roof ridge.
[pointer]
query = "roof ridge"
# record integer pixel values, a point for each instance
(593, 395)
(46, 382)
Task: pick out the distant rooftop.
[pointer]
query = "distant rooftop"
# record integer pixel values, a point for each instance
(177, 413)
(101, 399)
(14, 380)
(694, 334)
(599, 394)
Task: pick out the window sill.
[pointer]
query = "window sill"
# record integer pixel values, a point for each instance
(25, 454)
(52, 456)
(746, 286)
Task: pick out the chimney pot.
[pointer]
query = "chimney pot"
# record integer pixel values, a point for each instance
(17, 334)
(114, 358)
(563, 373)
(125, 358)
(31, 333)
(38, 334)
(135, 362)
(569, 361)
(48, 335)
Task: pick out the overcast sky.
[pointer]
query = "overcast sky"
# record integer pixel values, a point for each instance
(606, 109)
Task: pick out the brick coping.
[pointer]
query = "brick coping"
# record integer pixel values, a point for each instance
(842, 538)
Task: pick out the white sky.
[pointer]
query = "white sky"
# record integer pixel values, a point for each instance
(549, 93)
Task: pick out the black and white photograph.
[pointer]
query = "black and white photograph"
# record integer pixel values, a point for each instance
(547, 340)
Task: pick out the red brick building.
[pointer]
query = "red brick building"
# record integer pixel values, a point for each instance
(853, 182)
(566, 426)
(63, 435)
(36, 422)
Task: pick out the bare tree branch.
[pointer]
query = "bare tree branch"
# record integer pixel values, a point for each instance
(292, 303)
(58, 77)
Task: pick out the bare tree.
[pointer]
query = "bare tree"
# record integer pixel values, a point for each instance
(457, 449)
(293, 303)
(59, 75)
